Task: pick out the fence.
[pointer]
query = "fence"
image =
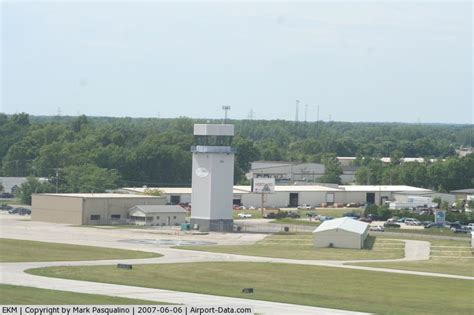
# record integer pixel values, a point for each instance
(250, 227)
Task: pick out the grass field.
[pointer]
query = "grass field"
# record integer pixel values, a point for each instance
(256, 214)
(21, 251)
(447, 256)
(300, 246)
(359, 290)
(19, 295)
(10, 201)
(430, 231)
(296, 221)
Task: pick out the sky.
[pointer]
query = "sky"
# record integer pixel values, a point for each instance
(356, 61)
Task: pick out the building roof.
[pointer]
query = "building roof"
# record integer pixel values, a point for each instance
(171, 190)
(385, 188)
(242, 189)
(99, 195)
(346, 224)
(149, 209)
(464, 191)
(289, 188)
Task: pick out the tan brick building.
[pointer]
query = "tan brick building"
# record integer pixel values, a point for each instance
(88, 209)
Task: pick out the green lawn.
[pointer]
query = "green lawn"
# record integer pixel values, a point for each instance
(10, 202)
(19, 295)
(430, 231)
(300, 246)
(296, 222)
(358, 290)
(256, 214)
(331, 212)
(447, 256)
(21, 251)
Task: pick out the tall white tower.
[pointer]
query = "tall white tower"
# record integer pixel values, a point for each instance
(213, 177)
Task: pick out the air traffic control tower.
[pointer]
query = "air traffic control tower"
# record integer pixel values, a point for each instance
(213, 177)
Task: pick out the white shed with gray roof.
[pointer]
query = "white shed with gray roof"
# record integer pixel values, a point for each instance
(342, 233)
(157, 215)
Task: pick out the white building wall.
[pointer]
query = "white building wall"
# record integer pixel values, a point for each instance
(339, 239)
(212, 194)
(171, 218)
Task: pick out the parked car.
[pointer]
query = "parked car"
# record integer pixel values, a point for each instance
(393, 220)
(20, 211)
(5, 207)
(374, 217)
(23, 211)
(293, 215)
(391, 225)
(460, 230)
(402, 220)
(455, 226)
(377, 228)
(411, 221)
(304, 207)
(244, 215)
(270, 215)
(366, 220)
(13, 211)
(323, 218)
(311, 214)
(6, 195)
(428, 224)
(353, 205)
(352, 215)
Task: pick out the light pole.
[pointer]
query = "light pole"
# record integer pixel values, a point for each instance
(225, 108)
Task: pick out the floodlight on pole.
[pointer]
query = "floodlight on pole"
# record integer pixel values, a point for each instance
(225, 108)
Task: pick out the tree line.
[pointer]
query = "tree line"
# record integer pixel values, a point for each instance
(83, 154)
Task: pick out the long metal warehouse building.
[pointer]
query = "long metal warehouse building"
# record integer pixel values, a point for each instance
(294, 195)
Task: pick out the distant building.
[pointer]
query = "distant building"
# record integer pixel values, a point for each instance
(463, 151)
(86, 209)
(341, 233)
(285, 172)
(462, 193)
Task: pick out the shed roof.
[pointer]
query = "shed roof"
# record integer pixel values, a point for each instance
(346, 224)
(392, 188)
(148, 209)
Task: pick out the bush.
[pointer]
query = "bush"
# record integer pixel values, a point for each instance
(382, 212)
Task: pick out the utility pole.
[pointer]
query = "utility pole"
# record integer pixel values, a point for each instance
(317, 116)
(297, 110)
(16, 168)
(251, 114)
(57, 179)
(225, 108)
(305, 112)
